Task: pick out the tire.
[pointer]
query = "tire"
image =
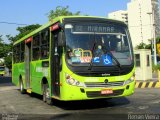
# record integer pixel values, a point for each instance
(46, 94)
(21, 86)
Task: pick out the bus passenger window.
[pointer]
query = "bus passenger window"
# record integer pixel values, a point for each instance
(45, 44)
(16, 53)
(44, 52)
(36, 48)
(22, 51)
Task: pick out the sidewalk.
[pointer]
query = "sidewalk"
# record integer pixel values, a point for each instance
(153, 83)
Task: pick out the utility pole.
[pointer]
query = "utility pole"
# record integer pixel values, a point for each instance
(154, 37)
(153, 30)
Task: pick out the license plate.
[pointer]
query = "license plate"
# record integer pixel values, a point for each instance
(106, 92)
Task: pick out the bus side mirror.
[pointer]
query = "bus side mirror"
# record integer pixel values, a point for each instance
(61, 39)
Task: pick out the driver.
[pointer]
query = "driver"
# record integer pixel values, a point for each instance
(99, 51)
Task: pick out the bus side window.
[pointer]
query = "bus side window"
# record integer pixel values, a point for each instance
(36, 47)
(17, 53)
(22, 52)
(45, 44)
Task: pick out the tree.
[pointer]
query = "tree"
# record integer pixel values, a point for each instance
(1, 47)
(1, 40)
(5, 49)
(22, 32)
(8, 61)
(143, 46)
(158, 39)
(61, 11)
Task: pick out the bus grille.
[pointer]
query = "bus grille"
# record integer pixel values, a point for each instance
(103, 84)
(98, 93)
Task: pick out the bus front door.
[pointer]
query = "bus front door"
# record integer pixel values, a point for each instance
(55, 79)
(27, 63)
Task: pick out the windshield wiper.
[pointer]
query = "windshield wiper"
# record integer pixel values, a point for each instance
(118, 63)
(107, 52)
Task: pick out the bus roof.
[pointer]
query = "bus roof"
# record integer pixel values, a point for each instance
(60, 18)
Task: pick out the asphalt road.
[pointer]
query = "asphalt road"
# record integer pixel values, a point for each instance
(5, 80)
(15, 105)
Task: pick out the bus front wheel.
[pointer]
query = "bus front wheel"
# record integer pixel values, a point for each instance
(46, 94)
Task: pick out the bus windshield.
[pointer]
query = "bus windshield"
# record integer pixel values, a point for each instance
(97, 44)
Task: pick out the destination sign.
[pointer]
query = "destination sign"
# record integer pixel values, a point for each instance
(95, 28)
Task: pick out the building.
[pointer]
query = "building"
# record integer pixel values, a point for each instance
(155, 9)
(141, 15)
(140, 21)
(121, 15)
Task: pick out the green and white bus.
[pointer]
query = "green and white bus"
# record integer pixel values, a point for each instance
(75, 58)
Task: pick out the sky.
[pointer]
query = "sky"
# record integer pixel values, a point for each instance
(35, 11)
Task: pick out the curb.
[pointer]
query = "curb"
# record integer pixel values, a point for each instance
(155, 84)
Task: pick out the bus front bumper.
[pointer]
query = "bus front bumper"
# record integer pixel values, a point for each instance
(80, 93)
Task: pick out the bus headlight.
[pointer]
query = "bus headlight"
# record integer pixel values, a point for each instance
(129, 80)
(72, 81)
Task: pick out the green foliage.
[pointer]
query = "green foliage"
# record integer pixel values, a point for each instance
(61, 11)
(11, 39)
(7, 48)
(4, 48)
(155, 67)
(149, 46)
(143, 46)
(158, 39)
(22, 32)
(1, 40)
(8, 61)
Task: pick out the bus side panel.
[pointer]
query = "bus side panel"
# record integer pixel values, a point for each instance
(37, 74)
(17, 71)
(15, 76)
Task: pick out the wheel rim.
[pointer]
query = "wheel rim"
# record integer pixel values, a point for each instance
(21, 86)
(44, 94)
(47, 93)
